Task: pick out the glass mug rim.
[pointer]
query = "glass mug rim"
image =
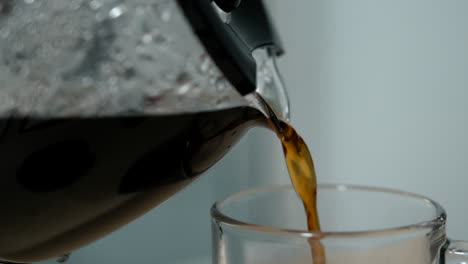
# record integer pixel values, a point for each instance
(437, 221)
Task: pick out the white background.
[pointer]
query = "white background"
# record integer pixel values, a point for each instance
(379, 90)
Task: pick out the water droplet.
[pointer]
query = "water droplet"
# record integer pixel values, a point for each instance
(212, 80)
(147, 38)
(63, 258)
(29, 1)
(220, 84)
(117, 11)
(183, 82)
(163, 10)
(166, 15)
(94, 4)
(184, 88)
(205, 64)
(76, 4)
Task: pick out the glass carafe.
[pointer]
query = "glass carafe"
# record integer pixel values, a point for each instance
(108, 107)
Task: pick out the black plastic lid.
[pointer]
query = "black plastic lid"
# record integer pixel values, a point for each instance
(231, 44)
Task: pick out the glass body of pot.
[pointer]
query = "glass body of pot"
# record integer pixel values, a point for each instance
(107, 108)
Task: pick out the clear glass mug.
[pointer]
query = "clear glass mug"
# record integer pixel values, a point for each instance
(360, 225)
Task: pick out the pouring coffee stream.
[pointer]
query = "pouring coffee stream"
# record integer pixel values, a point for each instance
(301, 172)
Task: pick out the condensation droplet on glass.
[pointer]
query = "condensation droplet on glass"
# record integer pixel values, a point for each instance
(166, 15)
(220, 84)
(29, 1)
(212, 71)
(184, 88)
(146, 38)
(94, 4)
(76, 4)
(162, 10)
(212, 80)
(205, 64)
(117, 11)
(183, 81)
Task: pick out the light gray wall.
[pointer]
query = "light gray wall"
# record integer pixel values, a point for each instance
(379, 89)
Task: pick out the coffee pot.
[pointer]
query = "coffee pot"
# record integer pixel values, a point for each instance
(108, 107)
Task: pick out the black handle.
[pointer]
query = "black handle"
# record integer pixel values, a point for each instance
(228, 5)
(231, 44)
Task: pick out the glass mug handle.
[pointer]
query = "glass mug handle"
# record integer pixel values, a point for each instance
(455, 252)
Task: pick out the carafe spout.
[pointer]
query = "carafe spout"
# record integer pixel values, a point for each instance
(270, 85)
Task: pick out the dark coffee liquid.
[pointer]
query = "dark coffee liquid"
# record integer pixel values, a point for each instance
(301, 170)
(66, 182)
